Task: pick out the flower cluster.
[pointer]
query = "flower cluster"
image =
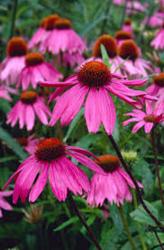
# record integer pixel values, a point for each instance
(95, 89)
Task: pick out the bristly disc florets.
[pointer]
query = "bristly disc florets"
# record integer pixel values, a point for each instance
(28, 97)
(16, 47)
(109, 43)
(49, 22)
(159, 79)
(109, 163)
(150, 118)
(49, 149)
(128, 21)
(33, 59)
(128, 50)
(123, 35)
(94, 74)
(63, 23)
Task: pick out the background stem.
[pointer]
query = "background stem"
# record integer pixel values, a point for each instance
(13, 18)
(81, 218)
(126, 227)
(144, 247)
(154, 147)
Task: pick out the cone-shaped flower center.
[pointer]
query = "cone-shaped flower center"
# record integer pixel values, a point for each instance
(49, 149)
(128, 21)
(63, 23)
(150, 118)
(22, 141)
(49, 22)
(109, 44)
(159, 79)
(123, 35)
(109, 163)
(94, 74)
(34, 58)
(28, 97)
(16, 47)
(128, 50)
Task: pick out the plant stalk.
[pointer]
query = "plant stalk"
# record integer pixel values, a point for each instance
(156, 162)
(144, 247)
(81, 218)
(126, 167)
(126, 227)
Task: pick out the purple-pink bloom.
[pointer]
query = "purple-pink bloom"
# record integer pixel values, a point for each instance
(27, 109)
(132, 62)
(4, 205)
(36, 70)
(63, 38)
(91, 86)
(156, 20)
(4, 93)
(46, 26)
(28, 143)
(147, 119)
(158, 41)
(14, 62)
(114, 186)
(50, 162)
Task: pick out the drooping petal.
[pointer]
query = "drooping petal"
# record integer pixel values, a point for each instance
(40, 183)
(92, 113)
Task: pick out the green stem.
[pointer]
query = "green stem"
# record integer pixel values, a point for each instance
(126, 227)
(81, 218)
(144, 247)
(156, 162)
(13, 18)
(123, 14)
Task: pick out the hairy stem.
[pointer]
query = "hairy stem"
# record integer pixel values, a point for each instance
(126, 227)
(126, 167)
(156, 162)
(81, 218)
(144, 247)
(159, 240)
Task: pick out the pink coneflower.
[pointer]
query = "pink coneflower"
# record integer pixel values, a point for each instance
(114, 186)
(49, 162)
(28, 143)
(131, 6)
(3, 203)
(158, 41)
(37, 70)
(122, 35)
(132, 61)
(127, 26)
(110, 45)
(92, 84)
(26, 109)
(46, 26)
(157, 87)
(148, 119)
(71, 59)
(156, 20)
(63, 38)
(4, 93)
(15, 60)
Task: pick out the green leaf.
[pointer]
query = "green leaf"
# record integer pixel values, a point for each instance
(66, 224)
(74, 124)
(141, 215)
(7, 158)
(105, 55)
(5, 106)
(12, 143)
